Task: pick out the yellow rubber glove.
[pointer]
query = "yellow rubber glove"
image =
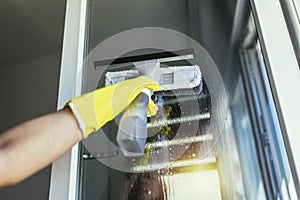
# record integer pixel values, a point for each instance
(95, 109)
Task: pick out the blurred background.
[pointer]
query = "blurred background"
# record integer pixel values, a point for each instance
(30, 51)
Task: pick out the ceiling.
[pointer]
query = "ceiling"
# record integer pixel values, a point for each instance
(29, 29)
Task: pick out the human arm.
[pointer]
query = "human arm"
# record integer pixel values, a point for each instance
(32, 145)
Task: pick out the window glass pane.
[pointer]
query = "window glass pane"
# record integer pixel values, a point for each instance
(215, 138)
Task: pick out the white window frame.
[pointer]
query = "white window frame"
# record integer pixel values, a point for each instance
(284, 76)
(64, 172)
(282, 67)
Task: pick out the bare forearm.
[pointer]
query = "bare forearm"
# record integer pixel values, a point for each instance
(33, 145)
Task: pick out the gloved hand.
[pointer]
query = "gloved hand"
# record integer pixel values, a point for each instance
(95, 109)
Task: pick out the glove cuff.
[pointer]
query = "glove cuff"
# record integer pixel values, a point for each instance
(78, 117)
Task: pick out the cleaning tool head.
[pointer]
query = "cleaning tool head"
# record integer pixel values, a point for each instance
(133, 132)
